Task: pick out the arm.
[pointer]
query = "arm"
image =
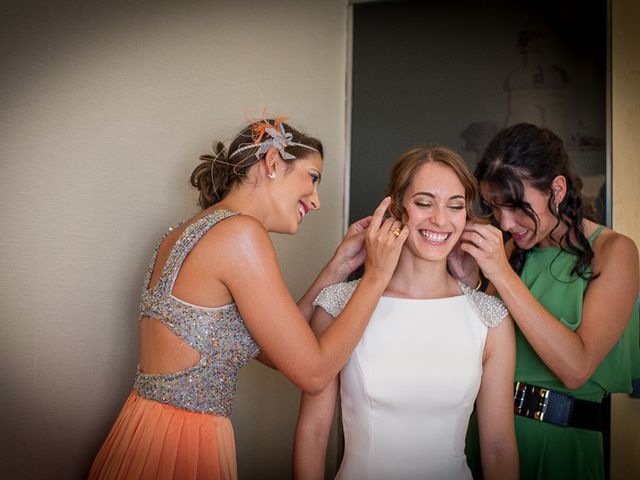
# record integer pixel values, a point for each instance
(572, 355)
(348, 256)
(498, 449)
(249, 269)
(314, 420)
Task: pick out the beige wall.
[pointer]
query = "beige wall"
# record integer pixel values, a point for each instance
(625, 93)
(104, 109)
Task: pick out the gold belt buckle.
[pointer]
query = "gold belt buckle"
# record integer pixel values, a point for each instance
(518, 396)
(520, 392)
(542, 404)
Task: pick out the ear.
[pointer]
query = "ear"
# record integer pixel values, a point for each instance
(271, 165)
(559, 188)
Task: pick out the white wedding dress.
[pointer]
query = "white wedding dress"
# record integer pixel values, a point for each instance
(409, 387)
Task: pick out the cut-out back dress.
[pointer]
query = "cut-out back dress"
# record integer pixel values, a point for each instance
(176, 425)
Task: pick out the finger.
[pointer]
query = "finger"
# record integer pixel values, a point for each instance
(486, 230)
(404, 233)
(359, 237)
(396, 229)
(477, 239)
(387, 225)
(360, 225)
(473, 237)
(378, 215)
(471, 249)
(473, 227)
(395, 225)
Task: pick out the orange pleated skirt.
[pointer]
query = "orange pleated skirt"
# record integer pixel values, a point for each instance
(151, 440)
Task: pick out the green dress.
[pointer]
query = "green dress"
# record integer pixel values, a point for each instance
(549, 451)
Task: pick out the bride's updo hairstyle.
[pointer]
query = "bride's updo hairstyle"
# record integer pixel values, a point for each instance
(226, 166)
(406, 166)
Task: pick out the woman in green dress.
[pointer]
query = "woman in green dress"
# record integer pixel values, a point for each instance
(571, 286)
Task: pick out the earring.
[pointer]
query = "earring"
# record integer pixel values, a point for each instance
(272, 175)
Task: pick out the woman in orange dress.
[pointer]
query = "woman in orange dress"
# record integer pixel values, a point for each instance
(214, 298)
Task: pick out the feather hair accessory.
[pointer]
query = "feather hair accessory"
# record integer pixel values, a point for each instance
(271, 139)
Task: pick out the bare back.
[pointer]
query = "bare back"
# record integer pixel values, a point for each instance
(195, 284)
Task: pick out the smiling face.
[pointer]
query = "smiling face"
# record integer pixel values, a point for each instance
(516, 221)
(435, 211)
(295, 191)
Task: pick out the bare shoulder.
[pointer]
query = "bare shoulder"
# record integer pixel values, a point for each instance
(243, 225)
(237, 233)
(612, 248)
(236, 246)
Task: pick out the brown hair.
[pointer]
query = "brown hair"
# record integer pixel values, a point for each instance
(406, 166)
(221, 169)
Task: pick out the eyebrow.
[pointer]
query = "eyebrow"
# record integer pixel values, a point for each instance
(428, 194)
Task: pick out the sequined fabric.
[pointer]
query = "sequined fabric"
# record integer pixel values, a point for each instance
(490, 309)
(219, 334)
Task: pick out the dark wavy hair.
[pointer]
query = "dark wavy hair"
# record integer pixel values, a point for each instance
(526, 152)
(221, 169)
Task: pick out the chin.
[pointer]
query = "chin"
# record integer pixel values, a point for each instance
(429, 254)
(526, 244)
(291, 229)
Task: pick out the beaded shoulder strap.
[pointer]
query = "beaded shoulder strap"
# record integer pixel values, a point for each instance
(332, 299)
(154, 256)
(191, 235)
(490, 309)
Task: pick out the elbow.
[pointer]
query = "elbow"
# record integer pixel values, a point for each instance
(573, 383)
(576, 378)
(314, 384)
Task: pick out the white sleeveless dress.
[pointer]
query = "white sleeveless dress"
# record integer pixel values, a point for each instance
(409, 387)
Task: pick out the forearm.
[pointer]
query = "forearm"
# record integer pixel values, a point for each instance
(501, 462)
(309, 453)
(560, 348)
(312, 433)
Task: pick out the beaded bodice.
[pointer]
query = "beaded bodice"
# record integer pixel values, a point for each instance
(217, 333)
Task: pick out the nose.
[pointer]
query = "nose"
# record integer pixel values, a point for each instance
(314, 200)
(439, 216)
(506, 220)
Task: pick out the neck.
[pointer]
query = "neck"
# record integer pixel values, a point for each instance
(556, 237)
(417, 278)
(248, 199)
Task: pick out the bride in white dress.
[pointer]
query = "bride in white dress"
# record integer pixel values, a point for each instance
(432, 348)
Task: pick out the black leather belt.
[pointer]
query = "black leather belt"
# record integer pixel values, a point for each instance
(557, 408)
